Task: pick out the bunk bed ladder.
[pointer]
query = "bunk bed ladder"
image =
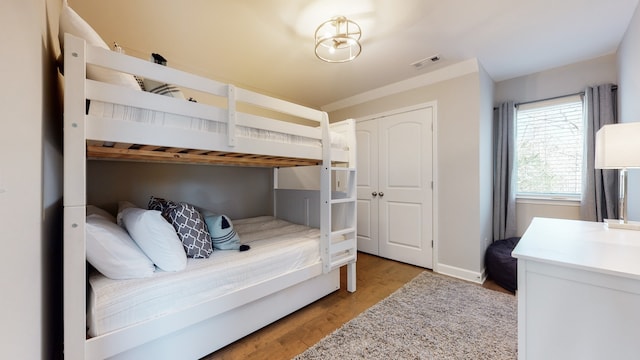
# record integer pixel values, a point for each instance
(341, 246)
(338, 220)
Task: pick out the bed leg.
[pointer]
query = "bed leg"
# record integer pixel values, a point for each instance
(351, 276)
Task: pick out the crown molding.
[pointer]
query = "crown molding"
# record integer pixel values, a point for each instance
(450, 72)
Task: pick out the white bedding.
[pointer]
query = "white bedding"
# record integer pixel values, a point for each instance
(130, 113)
(277, 247)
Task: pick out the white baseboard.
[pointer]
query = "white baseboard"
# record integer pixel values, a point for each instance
(464, 274)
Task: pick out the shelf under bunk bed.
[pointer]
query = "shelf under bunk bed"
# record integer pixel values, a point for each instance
(167, 134)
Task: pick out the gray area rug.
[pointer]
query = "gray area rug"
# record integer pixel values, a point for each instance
(431, 317)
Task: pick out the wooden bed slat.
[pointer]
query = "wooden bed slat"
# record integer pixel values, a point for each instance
(175, 150)
(197, 152)
(188, 156)
(122, 145)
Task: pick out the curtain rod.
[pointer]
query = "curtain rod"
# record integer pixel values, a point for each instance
(614, 88)
(547, 99)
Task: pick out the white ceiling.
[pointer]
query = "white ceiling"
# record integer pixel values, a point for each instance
(267, 45)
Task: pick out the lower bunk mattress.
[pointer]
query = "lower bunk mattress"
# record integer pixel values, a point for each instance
(277, 247)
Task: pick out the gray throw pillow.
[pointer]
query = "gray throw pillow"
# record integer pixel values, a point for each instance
(189, 225)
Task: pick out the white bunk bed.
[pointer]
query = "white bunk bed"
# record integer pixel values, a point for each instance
(208, 325)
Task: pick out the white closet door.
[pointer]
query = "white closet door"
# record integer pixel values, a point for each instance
(405, 193)
(367, 184)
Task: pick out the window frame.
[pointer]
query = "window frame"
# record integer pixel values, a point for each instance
(542, 198)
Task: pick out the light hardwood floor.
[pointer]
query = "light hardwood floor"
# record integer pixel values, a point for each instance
(377, 278)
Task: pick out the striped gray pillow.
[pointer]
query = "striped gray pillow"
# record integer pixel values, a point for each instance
(156, 87)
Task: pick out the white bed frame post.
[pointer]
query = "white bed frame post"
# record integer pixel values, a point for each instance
(231, 115)
(325, 196)
(74, 200)
(352, 217)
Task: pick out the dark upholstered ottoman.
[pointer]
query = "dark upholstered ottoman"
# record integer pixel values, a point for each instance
(501, 266)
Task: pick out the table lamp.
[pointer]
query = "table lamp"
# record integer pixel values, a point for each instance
(618, 147)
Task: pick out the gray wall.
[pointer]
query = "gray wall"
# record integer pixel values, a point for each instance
(238, 192)
(559, 81)
(462, 210)
(629, 93)
(564, 80)
(30, 182)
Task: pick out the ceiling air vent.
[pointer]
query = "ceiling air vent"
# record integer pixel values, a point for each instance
(426, 61)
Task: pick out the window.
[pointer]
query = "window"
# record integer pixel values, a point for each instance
(549, 147)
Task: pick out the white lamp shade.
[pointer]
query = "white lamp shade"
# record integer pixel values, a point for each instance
(618, 146)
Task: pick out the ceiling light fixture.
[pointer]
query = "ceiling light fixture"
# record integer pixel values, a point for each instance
(337, 40)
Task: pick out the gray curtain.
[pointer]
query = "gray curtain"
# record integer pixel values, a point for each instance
(599, 187)
(504, 197)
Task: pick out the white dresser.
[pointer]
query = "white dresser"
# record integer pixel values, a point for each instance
(578, 291)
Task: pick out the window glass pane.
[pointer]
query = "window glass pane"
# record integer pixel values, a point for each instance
(549, 140)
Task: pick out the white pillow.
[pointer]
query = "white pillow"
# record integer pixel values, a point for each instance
(121, 206)
(72, 23)
(112, 251)
(91, 209)
(156, 237)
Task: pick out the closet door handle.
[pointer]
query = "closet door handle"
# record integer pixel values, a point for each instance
(374, 194)
(381, 194)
